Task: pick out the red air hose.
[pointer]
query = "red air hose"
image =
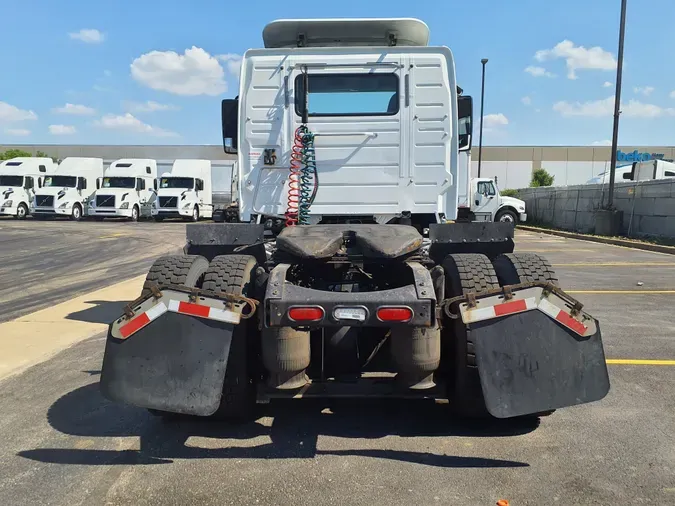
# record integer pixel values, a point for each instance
(294, 179)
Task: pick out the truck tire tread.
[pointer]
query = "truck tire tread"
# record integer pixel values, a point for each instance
(185, 270)
(234, 274)
(514, 268)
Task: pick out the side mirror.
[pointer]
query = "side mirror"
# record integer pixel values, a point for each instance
(230, 121)
(465, 122)
(98, 183)
(139, 185)
(628, 175)
(81, 183)
(154, 184)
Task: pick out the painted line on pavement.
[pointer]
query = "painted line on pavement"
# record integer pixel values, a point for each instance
(629, 361)
(622, 292)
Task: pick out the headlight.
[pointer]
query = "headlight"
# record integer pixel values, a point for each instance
(64, 205)
(8, 203)
(125, 205)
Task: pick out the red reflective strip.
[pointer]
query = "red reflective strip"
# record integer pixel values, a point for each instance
(194, 309)
(572, 323)
(136, 324)
(515, 306)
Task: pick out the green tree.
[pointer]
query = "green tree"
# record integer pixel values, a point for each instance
(42, 154)
(541, 177)
(508, 193)
(13, 153)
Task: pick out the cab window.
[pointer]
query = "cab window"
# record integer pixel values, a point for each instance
(486, 188)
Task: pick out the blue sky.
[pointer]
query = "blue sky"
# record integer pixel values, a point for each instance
(117, 71)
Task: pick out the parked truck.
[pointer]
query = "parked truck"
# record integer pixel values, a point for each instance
(347, 129)
(20, 178)
(185, 192)
(68, 190)
(652, 169)
(127, 189)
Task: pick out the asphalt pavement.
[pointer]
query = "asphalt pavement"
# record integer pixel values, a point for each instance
(46, 262)
(63, 444)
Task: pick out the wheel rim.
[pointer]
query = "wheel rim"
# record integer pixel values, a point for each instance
(134, 214)
(507, 218)
(21, 212)
(76, 212)
(195, 214)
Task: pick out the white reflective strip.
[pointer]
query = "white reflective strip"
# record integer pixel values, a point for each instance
(156, 311)
(223, 315)
(477, 315)
(173, 305)
(548, 308)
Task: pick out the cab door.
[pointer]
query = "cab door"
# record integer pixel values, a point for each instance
(485, 201)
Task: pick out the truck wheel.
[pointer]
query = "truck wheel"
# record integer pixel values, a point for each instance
(507, 216)
(21, 211)
(187, 270)
(134, 213)
(195, 214)
(466, 273)
(514, 268)
(236, 274)
(76, 213)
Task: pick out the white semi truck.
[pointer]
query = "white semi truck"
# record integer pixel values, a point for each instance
(127, 189)
(185, 192)
(68, 190)
(347, 129)
(20, 178)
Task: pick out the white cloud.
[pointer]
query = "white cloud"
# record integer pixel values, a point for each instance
(233, 62)
(607, 84)
(129, 123)
(526, 101)
(195, 72)
(495, 120)
(605, 107)
(578, 57)
(672, 94)
(75, 110)
(602, 143)
(62, 129)
(149, 106)
(19, 132)
(644, 90)
(10, 113)
(538, 72)
(88, 35)
(107, 73)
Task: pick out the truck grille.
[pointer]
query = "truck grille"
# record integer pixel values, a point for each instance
(44, 200)
(105, 201)
(168, 201)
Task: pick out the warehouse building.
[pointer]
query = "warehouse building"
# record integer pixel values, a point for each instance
(512, 166)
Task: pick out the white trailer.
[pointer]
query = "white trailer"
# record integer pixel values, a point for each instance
(67, 191)
(20, 178)
(185, 192)
(653, 169)
(127, 190)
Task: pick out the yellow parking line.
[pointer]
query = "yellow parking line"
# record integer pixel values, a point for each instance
(628, 361)
(617, 264)
(622, 292)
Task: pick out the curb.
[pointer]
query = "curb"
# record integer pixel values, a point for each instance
(658, 248)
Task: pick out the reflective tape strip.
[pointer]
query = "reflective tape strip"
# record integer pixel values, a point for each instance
(562, 317)
(203, 311)
(506, 308)
(141, 320)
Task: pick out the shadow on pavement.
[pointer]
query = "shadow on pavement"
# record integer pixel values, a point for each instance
(296, 426)
(102, 312)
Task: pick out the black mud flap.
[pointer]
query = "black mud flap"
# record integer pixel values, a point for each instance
(176, 363)
(529, 363)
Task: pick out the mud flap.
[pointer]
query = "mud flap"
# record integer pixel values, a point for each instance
(175, 363)
(529, 363)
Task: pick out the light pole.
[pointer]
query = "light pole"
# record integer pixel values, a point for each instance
(482, 102)
(617, 106)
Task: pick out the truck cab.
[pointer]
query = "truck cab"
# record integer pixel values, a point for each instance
(185, 192)
(649, 170)
(487, 204)
(127, 190)
(19, 179)
(67, 191)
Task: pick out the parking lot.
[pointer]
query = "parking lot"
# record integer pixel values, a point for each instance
(63, 444)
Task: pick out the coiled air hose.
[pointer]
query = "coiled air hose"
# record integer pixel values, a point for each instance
(303, 179)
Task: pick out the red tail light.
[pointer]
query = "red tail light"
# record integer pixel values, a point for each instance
(395, 314)
(306, 314)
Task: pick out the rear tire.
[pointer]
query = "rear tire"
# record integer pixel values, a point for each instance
(187, 270)
(466, 273)
(514, 268)
(235, 274)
